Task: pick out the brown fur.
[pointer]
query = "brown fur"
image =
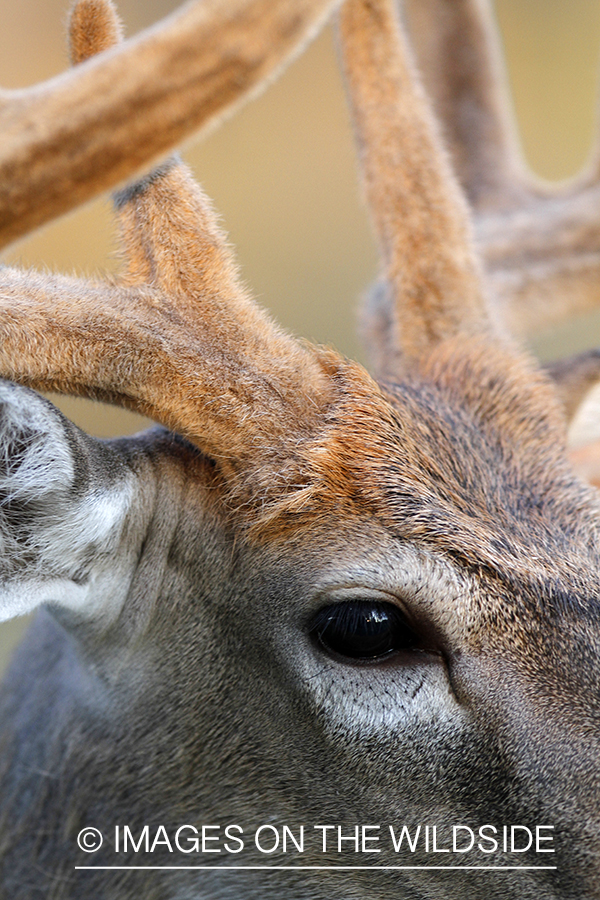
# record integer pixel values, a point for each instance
(403, 434)
(180, 299)
(291, 476)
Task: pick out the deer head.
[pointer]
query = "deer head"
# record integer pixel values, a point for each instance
(308, 598)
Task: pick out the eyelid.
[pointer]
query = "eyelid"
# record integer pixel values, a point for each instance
(355, 593)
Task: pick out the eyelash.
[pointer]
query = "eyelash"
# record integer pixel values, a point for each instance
(363, 630)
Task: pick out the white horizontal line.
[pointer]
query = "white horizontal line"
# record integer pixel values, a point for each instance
(314, 868)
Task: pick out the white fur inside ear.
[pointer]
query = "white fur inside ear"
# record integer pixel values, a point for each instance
(63, 510)
(94, 522)
(34, 456)
(585, 427)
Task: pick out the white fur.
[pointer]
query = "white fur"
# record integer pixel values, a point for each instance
(363, 701)
(57, 544)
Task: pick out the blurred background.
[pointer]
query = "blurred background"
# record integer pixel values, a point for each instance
(282, 173)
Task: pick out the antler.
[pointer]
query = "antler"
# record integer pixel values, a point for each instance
(176, 338)
(541, 246)
(76, 135)
(433, 287)
(457, 50)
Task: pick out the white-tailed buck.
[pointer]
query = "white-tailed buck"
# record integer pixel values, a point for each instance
(311, 610)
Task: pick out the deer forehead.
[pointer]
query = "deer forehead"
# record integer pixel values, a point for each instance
(479, 482)
(437, 458)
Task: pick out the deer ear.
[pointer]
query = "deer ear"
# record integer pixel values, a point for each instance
(586, 462)
(574, 378)
(64, 500)
(577, 380)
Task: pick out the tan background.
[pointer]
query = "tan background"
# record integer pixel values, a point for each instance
(282, 172)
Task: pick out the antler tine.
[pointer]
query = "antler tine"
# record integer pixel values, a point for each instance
(458, 55)
(543, 261)
(420, 216)
(76, 135)
(177, 339)
(169, 233)
(94, 26)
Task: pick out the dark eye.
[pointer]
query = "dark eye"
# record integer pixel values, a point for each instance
(363, 629)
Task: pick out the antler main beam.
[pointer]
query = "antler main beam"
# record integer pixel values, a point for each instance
(177, 337)
(68, 139)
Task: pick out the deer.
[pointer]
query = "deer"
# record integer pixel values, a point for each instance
(310, 597)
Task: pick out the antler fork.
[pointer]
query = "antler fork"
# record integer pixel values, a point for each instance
(541, 245)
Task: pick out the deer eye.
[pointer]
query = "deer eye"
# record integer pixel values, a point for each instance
(363, 630)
